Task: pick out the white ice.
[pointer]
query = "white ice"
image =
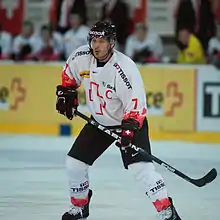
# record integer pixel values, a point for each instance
(34, 186)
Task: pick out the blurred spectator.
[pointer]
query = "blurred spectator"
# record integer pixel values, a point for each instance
(5, 45)
(206, 23)
(12, 13)
(214, 48)
(191, 51)
(216, 9)
(117, 12)
(25, 44)
(49, 45)
(144, 45)
(61, 11)
(76, 36)
(185, 15)
(214, 43)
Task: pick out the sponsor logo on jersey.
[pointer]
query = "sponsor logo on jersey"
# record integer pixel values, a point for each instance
(123, 76)
(81, 53)
(108, 86)
(85, 74)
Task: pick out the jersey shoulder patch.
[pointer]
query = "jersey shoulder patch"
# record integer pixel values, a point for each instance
(81, 51)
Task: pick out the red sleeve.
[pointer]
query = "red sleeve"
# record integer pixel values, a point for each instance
(66, 80)
(136, 115)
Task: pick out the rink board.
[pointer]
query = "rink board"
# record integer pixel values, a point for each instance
(27, 102)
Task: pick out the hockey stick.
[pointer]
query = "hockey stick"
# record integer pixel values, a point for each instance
(208, 178)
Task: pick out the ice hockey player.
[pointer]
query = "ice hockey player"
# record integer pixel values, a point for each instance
(116, 98)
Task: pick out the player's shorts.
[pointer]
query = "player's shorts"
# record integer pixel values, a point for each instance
(92, 142)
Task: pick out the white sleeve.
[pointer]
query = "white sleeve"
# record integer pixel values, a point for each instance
(158, 47)
(36, 44)
(83, 36)
(211, 46)
(59, 42)
(67, 43)
(131, 91)
(7, 45)
(17, 44)
(129, 51)
(70, 72)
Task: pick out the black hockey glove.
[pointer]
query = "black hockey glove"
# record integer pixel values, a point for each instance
(67, 101)
(129, 128)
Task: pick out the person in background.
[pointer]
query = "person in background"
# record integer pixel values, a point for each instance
(61, 10)
(144, 45)
(205, 29)
(5, 45)
(76, 36)
(49, 46)
(117, 12)
(191, 50)
(214, 48)
(184, 15)
(25, 44)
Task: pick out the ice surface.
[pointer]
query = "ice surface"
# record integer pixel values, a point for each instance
(33, 181)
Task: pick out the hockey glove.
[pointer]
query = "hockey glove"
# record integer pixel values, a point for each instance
(129, 128)
(67, 101)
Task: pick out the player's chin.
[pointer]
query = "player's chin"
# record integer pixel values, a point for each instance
(98, 56)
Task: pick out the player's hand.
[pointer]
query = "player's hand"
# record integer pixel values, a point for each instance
(129, 127)
(67, 101)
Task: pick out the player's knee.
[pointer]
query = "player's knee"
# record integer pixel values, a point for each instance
(76, 167)
(142, 170)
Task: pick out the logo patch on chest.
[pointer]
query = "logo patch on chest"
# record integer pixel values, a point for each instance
(108, 86)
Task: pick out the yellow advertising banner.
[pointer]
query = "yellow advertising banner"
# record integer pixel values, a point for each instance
(28, 93)
(170, 97)
(27, 97)
(180, 100)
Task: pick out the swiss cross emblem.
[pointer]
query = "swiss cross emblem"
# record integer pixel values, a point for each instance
(9, 6)
(127, 132)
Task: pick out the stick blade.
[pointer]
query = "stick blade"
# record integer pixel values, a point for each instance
(208, 178)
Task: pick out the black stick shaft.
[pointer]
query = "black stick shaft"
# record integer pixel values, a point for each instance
(198, 182)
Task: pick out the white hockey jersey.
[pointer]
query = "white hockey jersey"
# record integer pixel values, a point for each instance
(113, 92)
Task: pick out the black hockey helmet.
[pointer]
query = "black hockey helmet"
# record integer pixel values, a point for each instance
(103, 29)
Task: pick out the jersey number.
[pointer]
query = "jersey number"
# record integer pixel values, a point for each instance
(135, 100)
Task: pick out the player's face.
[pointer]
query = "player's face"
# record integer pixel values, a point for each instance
(100, 47)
